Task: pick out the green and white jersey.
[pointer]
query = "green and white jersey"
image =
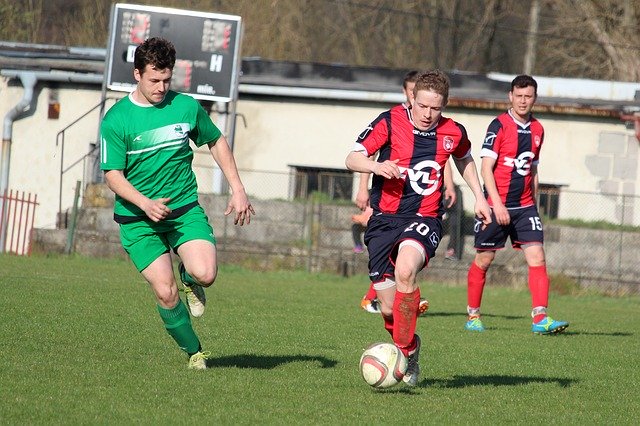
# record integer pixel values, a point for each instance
(150, 144)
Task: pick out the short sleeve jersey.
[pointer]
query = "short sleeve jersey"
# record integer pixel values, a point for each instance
(150, 144)
(422, 156)
(515, 147)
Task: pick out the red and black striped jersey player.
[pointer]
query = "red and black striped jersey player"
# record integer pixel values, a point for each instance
(509, 169)
(370, 300)
(413, 146)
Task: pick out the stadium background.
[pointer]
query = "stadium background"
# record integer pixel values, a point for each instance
(589, 174)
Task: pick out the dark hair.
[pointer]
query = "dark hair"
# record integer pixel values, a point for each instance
(523, 81)
(157, 52)
(410, 77)
(436, 81)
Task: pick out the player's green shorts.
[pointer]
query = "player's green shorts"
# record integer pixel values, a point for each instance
(146, 240)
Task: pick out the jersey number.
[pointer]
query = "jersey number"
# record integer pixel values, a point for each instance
(420, 228)
(536, 225)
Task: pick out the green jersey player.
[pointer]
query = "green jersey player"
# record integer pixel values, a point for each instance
(146, 157)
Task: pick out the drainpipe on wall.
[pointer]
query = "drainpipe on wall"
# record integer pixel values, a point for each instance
(29, 81)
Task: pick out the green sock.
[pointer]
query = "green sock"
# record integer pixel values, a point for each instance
(178, 325)
(185, 277)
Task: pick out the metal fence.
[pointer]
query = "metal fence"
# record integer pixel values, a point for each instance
(591, 239)
(591, 242)
(17, 213)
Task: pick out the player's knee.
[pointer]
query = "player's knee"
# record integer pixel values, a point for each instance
(535, 262)
(167, 295)
(405, 279)
(534, 254)
(483, 262)
(386, 311)
(205, 275)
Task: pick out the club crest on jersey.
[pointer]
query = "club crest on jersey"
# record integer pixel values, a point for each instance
(420, 177)
(447, 143)
(179, 130)
(536, 140)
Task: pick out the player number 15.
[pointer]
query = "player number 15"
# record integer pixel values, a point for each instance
(536, 224)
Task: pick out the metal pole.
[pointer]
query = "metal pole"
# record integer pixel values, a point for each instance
(29, 81)
(530, 55)
(96, 175)
(59, 224)
(6, 150)
(223, 124)
(4, 213)
(74, 215)
(621, 236)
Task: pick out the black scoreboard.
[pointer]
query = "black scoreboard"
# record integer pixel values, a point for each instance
(207, 49)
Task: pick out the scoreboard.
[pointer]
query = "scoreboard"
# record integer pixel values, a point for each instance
(207, 49)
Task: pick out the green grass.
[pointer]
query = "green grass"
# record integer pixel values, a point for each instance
(83, 344)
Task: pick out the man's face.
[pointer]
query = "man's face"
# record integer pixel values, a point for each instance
(408, 91)
(153, 84)
(427, 109)
(522, 100)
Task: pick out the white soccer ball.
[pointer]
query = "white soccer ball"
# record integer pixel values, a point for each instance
(383, 365)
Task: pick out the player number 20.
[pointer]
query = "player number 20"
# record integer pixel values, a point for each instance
(536, 225)
(420, 228)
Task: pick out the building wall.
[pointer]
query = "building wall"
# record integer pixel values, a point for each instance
(585, 154)
(321, 135)
(35, 160)
(579, 154)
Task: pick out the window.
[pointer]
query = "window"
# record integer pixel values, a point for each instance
(335, 183)
(548, 200)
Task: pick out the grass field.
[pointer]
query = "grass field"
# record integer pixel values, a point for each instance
(83, 344)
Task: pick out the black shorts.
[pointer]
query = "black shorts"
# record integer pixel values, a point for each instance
(384, 234)
(525, 227)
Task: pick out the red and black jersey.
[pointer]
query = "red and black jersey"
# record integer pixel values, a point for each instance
(422, 156)
(516, 147)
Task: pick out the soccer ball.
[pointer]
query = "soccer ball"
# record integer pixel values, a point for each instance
(383, 365)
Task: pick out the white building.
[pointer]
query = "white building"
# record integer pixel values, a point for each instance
(305, 117)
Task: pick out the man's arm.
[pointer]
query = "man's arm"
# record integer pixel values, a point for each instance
(467, 168)
(156, 210)
(239, 201)
(449, 186)
(486, 169)
(362, 196)
(357, 161)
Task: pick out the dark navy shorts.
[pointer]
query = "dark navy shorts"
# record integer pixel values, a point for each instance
(385, 233)
(525, 227)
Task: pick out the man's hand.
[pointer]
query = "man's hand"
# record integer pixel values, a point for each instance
(362, 199)
(483, 211)
(240, 203)
(157, 210)
(450, 197)
(388, 169)
(502, 214)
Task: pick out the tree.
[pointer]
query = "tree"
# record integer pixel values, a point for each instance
(21, 21)
(593, 39)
